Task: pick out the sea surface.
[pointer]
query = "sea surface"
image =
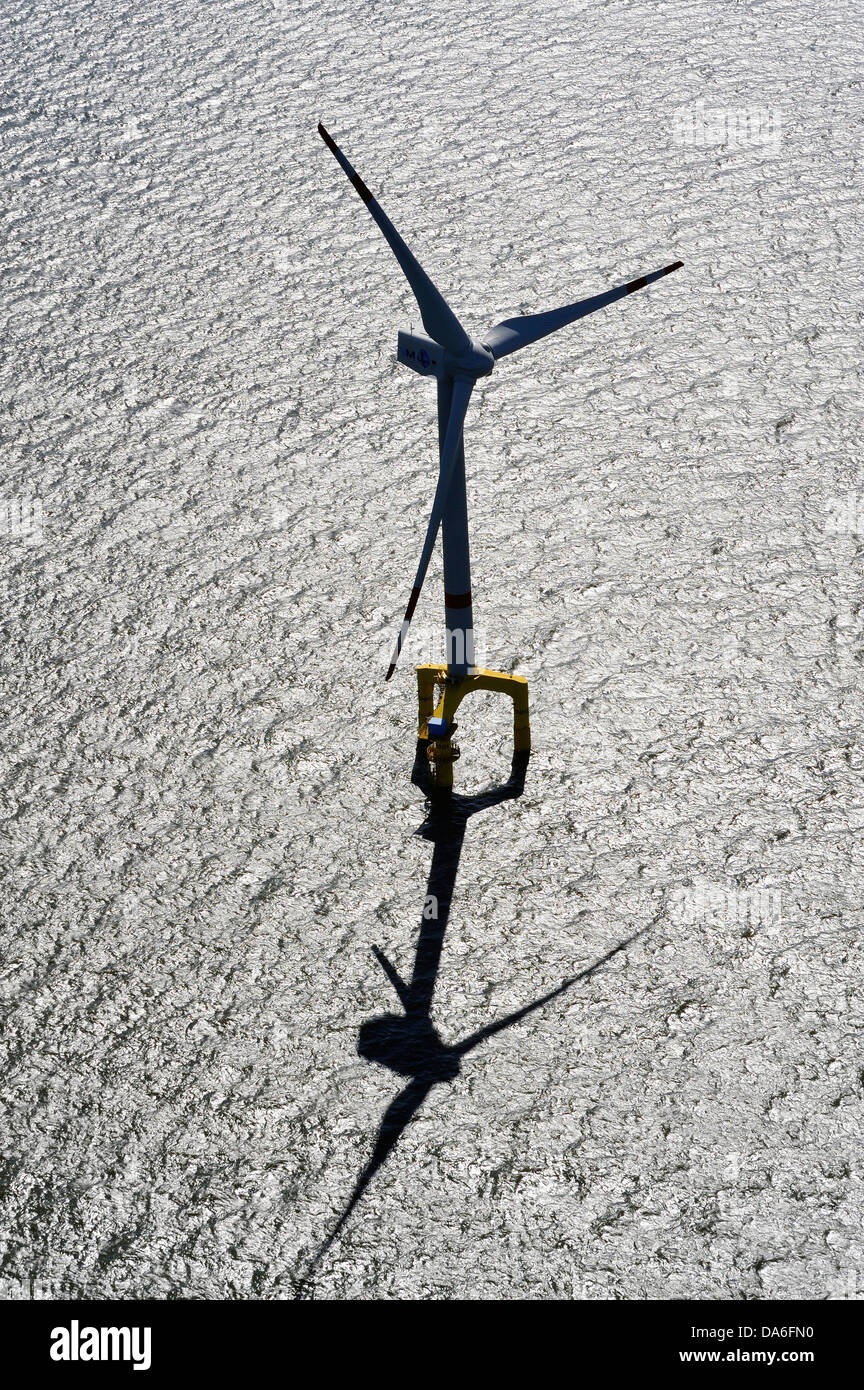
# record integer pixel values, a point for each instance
(215, 484)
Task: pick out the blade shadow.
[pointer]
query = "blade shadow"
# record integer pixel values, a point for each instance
(408, 1044)
(398, 1115)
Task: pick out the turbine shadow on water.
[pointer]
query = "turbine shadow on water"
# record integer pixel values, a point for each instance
(408, 1043)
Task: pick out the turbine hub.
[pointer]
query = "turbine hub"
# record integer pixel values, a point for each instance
(476, 361)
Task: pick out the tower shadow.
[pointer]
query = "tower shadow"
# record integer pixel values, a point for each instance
(409, 1043)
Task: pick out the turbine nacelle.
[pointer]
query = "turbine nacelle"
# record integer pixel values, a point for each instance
(422, 354)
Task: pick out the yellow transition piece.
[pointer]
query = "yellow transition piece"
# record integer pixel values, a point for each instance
(442, 751)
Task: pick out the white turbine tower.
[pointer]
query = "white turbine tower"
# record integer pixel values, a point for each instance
(456, 360)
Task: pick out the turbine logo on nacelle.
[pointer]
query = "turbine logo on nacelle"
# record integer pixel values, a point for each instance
(420, 353)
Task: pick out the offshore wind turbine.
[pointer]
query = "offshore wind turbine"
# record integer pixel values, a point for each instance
(456, 360)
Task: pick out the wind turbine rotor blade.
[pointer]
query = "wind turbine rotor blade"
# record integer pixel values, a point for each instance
(449, 453)
(438, 318)
(512, 334)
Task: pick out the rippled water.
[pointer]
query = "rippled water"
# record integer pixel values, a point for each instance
(215, 487)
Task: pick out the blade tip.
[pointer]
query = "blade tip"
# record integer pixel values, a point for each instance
(390, 669)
